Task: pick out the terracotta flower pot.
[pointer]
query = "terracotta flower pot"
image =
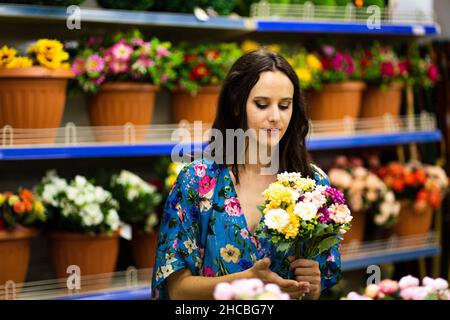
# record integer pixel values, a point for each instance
(377, 103)
(201, 107)
(412, 221)
(119, 103)
(94, 255)
(33, 98)
(356, 232)
(144, 248)
(15, 254)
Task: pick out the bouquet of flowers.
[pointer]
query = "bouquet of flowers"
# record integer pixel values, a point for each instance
(425, 184)
(338, 65)
(137, 200)
(205, 64)
(308, 68)
(248, 289)
(381, 66)
(299, 212)
(408, 288)
(20, 209)
(78, 205)
(44, 52)
(125, 57)
(365, 191)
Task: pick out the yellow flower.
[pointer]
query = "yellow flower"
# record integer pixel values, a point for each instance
(230, 253)
(20, 62)
(313, 62)
(6, 55)
(2, 199)
(304, 75)
(249, 45)
(274, 48)
(49, 53)
(13, 199)
(278, 193)
(293, 227)
(38, 207)
(306, 184)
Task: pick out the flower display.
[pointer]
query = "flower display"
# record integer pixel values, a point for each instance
(425, 184)
(44, 52)
(248, 289)
(125, 57)
(337, 65)
(422, 71)
(78, 205)
(408, 288)
(308, 68)
(21, 208)
(205, 64)
(299, 213)
(138, 200)
(365, 191)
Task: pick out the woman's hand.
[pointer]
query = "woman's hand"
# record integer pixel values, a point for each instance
(308, 271)
(295, 289)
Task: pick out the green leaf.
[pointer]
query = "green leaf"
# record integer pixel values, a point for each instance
(327, 243)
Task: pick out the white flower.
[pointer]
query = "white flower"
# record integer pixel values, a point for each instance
(132, 194)
(112, 219)
(89, 197)
(49, 193)
(340, 213)
(170, 258)
(305, 210)
(80, 200)
(380, 219)
(80, 181)
(91, 215)
(340, 178)
(205, 205)
(100, 195)
(372, 196)
(436, 284)
(166, 270)
(389, 197)
(408, 281)
(289, 176)
(190, 245)
(276, 219)
(360, 172)
(71, 193)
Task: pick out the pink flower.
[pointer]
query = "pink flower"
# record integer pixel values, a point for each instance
(330, 258)
(387, 69)
(244, 233)
(206, 185)
(356, 296)
(118, 66)
(100, 80)
(78, 66)
(175, 244)
(255, 242)
(340, 213)
(223, 291)
(407, 293)
(137, 42)
(328, 50)
(404, 67)
(162, 52)
(247, 287)
(433, 73)
(208, 272)
(164, 78)
(388, 286)
(121, 51)
(145, 62)
(95, 63)
(200, 169)
(233, 207)
(408, 281)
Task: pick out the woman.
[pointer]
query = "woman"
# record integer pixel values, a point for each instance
(208, 233)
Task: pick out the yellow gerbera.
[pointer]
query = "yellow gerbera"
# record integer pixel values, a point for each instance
(6, 55)
(230, 253)
(49, 53)
(313, 62)
(304, 75)
(20, 62)
(292, 229)
(249, 45)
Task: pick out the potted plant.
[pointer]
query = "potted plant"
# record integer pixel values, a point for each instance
(420, 189)
(33, 89)
(367, 194)
(308, 68)
(384, 73)
(83, 225)
(121, 77)
(20, 215)
(138, 201)
(199, 80)
(341, 91)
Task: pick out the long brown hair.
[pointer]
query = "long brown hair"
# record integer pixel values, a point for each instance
(231, 110)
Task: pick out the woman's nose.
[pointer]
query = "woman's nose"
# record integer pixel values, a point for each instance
(274, 114)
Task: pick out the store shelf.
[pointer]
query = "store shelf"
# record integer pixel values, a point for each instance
(126, 17)
(159, 140)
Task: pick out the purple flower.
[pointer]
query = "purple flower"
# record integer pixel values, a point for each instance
(325, 215)
(335, 195)
(328, 50)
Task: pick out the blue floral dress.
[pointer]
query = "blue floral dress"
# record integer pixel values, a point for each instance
(204, 229)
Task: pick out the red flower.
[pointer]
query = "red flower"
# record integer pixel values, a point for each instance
(404, 67)
(200, 71)
(387, 69)
(189, 57)
(326, 63)
(433, 72)
(212, 54)
(435, 199)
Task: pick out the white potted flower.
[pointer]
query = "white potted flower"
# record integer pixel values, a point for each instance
(138, 202)
(83, 224)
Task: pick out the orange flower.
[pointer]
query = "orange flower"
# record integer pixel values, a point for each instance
(435, 199)
(26, 194)
(19, 207)
(28, 206)
(421, 176)
(398, 185)
(422, 195)
(410, 179)
(396, 169)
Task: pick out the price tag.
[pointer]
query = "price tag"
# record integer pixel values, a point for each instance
(126, 232)
(418, 30)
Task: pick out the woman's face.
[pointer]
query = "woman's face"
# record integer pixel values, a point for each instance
(269, 107)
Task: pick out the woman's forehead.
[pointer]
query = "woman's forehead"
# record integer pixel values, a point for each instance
(273, 84)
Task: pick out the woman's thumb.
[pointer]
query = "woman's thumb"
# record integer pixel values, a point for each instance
(263, 264)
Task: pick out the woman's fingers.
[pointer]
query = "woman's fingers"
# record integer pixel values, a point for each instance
(304, 263)
(309, 279)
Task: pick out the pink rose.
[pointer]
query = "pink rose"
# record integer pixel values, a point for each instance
(206, 185)
(232, 207)
(200, 169)
(244, 233)
(388, 286)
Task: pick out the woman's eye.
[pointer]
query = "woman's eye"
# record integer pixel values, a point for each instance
(284, 106)
(261, 105)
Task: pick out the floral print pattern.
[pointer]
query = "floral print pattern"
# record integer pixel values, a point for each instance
(204, 229)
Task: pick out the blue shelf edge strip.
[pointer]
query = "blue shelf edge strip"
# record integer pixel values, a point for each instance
(98, 151)
(384, 258)
(339, 27)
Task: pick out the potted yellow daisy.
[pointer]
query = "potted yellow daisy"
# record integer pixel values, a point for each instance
(33, 87)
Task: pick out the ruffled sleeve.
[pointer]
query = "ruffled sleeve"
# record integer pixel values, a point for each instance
(330, 261)
(179, 234)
